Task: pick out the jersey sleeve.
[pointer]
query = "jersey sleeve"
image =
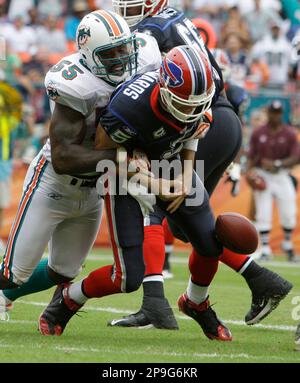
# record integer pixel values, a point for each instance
(149, 56)
(117, 129)
(70, 93)
(156, 32)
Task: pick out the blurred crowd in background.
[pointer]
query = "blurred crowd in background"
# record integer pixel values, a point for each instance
(35, 34)
(256, 34)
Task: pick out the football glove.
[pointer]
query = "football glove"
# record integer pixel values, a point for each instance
(234, 176)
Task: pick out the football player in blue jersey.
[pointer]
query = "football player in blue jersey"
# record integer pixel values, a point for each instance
(171, 28)
(163, 115)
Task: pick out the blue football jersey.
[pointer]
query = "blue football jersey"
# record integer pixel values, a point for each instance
(171, 28)
(134, 119)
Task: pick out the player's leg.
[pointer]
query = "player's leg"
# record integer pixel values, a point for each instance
(220, 146)
(125, 275)
(70, 244)
(286, 200)
(58, 194)
(31, 229)
(263, 218)
(155, 310)
(267, 287)
(195, 219)
(169, 247)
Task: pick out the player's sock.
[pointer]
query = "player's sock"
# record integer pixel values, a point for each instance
(154, 250)
(265, 238)
(39, 281)
(154, 254)
(287, 244)
(197, 293)
(169, 241)
(203, 269)
(169, 237)
(99, 283)
(76, 293)
(237, 262)
(243, 264)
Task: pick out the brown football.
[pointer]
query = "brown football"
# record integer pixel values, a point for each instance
(236, 233)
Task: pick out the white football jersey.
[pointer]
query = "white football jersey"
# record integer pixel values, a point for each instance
(277, 54)
(70, 83)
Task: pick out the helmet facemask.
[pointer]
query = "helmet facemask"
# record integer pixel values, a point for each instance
(116, 62)
(144, 8)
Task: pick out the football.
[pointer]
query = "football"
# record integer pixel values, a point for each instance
(236, 233)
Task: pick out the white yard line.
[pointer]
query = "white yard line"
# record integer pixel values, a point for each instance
(183, 260)
(19, 322)
(182, 317)
(148, 353)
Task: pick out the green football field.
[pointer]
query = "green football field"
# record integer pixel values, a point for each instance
(88, 339)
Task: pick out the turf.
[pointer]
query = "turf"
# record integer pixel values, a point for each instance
(88, 339)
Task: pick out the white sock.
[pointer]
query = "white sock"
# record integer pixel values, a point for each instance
(195, 293)
(154, 278)
(169, 248)
(287, 245)
(76, 294)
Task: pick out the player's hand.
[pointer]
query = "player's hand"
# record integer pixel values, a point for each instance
(268, 165)
(187, 185)
(234, 176)
(175, 205)
(169, 190)
(138, 162)
(201, 131)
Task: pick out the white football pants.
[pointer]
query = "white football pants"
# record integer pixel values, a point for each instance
(55, 212)
(281, 189)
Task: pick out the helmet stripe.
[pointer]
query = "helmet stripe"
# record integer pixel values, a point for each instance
(110, 23)
(116, 21)
(192, 68)
(202, 69)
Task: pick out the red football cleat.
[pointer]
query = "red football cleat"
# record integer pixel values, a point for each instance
(205, 316)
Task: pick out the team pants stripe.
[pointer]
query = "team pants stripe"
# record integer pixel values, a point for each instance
(23, 207)
(120, 271)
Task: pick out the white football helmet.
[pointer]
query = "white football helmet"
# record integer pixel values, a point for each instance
(135, 11)
(296, 48)
(107, 46)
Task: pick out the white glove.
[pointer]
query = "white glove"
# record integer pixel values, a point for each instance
(145, 199)
(140, 163)
(234, 175)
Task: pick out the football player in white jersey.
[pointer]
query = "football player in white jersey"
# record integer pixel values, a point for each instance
(60, 205)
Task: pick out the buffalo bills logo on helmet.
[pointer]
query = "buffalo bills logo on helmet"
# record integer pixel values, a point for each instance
(172, 74)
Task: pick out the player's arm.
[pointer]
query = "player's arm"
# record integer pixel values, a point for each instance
(113, 132)
(67, 131)
(187, 157)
